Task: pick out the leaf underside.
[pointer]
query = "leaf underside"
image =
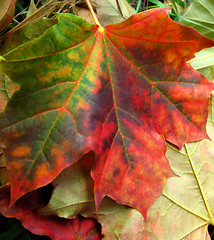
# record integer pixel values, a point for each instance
(120, 91)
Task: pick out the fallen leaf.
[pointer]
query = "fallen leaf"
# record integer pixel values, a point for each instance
(7, 10)
(119, 222)
(73, 190)
(73, 195)
(119, 91)
(7, 88)
(186, 207)
(111, 11)
(26, 34)
(34, 30)
(46, 9)
(84, 13)
(56, 228)
(204, 62)
(200, 16)
(203, 59)
(184, 210)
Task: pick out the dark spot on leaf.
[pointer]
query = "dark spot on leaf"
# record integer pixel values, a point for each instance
(116, 172)
(105, 144)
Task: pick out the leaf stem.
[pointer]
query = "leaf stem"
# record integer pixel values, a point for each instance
(93, 13)
(138, 6)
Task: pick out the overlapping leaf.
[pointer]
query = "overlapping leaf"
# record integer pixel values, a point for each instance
(111, 11)
(204, 62)
(184, 210)
(56, 228)
(186, 207)
(119, 91)
(7, 10)
(7, 88)
(108, 12)
(75, 185)
(200, 15)
(28, 33)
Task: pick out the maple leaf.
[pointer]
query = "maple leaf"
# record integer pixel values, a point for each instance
(204, 62)
(31, 31)
(176, 215)
(75, 185)
(56, 228)
(173, 216)
(119, 91)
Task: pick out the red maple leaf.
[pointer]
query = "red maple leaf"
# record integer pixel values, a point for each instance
(120, 91)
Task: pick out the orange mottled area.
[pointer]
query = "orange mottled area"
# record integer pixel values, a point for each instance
(22, 151)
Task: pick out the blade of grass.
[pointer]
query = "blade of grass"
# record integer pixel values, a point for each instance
(178, 17)
(138, 5)
(174, 5)
(19, 6)
(158, 3)
(196, 23)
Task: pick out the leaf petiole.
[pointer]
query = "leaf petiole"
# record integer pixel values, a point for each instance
(93, 13)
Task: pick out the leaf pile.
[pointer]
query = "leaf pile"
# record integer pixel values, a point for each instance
(173, 216)
(101, 101)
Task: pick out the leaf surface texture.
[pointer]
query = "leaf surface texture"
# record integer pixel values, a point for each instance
(120, 91)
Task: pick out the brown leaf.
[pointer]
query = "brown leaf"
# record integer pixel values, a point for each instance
(7, 9)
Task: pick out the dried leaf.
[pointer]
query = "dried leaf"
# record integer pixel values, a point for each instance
(84, 13)
(112, 11)
(7, 9)
(119, 222)
(76, 186)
